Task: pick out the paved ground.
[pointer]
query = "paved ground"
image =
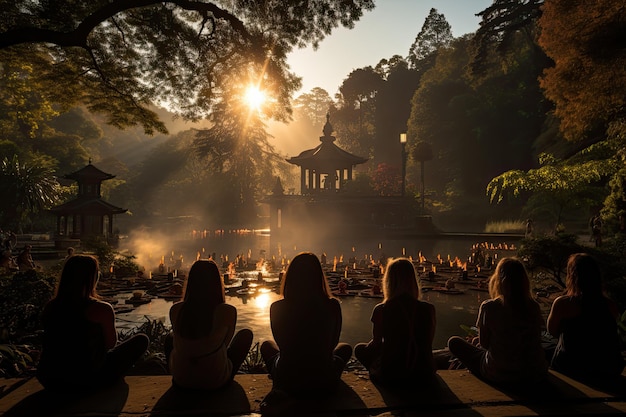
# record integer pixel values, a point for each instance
(457, 393)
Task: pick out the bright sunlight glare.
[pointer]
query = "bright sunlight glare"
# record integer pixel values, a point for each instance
(262, 301)
(254, 97)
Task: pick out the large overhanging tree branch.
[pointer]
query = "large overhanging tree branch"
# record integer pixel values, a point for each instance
(119, 57)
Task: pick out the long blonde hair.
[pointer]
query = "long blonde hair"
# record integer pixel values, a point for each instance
(510, 283)
(400, 278)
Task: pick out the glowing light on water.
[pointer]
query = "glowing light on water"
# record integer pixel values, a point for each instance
(262, 301)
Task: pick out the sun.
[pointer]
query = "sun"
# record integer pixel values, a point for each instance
(254, 97)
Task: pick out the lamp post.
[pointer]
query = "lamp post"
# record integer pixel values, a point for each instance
(403, 143)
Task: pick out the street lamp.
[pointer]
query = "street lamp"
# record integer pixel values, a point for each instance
(404, 155)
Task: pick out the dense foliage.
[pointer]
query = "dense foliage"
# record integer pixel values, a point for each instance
(119, 56)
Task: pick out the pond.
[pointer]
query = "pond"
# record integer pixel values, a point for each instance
(253, 313)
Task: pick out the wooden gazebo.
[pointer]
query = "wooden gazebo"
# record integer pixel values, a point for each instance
(327, 167)
(88, 214)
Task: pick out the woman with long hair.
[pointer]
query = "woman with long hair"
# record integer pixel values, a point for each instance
(585, 321)
(80, 347)
(205, 353)
(306, 355)
(509, 331)
(400, 351)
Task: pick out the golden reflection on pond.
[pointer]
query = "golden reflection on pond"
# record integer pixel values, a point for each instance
(262, 301)
(253, 312)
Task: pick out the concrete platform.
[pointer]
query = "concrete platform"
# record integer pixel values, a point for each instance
(457, 393)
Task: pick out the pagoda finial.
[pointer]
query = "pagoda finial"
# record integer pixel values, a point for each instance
(90, 160)
(278, 187)
(328, 128)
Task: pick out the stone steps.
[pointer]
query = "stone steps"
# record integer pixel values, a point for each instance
(457, 393)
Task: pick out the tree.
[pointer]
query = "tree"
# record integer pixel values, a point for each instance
(501, 23)
(314, 105)
(587, 82)
(393, 108)
(436, 33)
(557, 185)
(354, 119)
(26, 189)
(119, 56)
(422, 152)
(237, 147)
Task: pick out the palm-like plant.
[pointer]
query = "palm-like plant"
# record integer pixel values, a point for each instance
(25, 188)
(422, 152)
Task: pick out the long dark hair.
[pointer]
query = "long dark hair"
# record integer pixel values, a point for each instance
(78, 279)
(304, 279)
(583, 276)
(204, 291)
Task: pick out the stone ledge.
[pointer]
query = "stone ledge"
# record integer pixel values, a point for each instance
(457, 393)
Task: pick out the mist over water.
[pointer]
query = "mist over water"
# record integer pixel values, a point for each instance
(179, 247)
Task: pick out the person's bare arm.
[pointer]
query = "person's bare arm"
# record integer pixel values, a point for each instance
(103, 314)
(484, 335)
(556, 316)
(377, 324)
(339, 321)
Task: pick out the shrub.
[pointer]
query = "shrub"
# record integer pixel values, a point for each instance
(22, 298)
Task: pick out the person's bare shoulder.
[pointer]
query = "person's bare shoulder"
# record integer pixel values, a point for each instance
(100, 311)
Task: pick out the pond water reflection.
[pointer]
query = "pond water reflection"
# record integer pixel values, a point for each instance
(253, 313)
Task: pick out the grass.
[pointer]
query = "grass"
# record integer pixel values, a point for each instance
(506, 226)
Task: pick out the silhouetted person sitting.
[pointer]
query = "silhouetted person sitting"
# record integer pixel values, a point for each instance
(203, 353)
(509, 331)
(80, 348)
(585, 321)
(25, 259)
(307, 357)
(400, 351)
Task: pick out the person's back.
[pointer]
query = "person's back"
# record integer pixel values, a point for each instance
(306, 337)
(407, 348)
(203, 350)
(514, 349)
(202, 362)
(305, 356)
(73, 348)
(80, 350)
(588, 343)
(585, 321)
(509, 326)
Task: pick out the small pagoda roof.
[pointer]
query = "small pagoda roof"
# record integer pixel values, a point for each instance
(326, 153)
(89, 172)
(88, 206)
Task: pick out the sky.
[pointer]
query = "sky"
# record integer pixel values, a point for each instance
(388, 30)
